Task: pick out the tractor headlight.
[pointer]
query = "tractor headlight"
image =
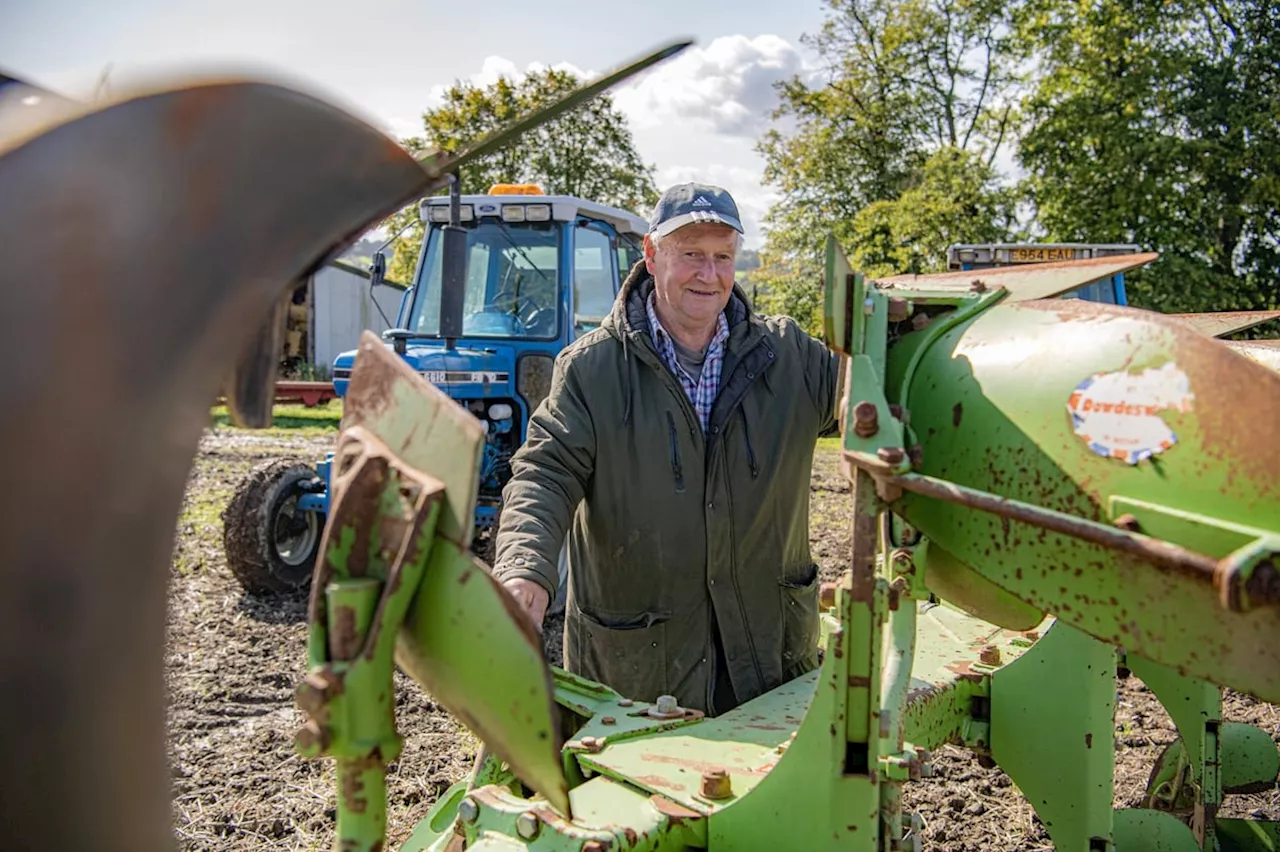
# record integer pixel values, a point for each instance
(439, 213)
(500, 411)
(533, 379)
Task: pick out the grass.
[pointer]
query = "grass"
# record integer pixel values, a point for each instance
(829, 445)
(294, 418)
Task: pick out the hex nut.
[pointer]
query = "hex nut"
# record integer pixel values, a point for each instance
(527, 825)
(468, 810)
(890, 455)
(989, 655)
(716, 784)
(666, 707)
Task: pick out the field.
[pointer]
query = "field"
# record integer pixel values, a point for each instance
(233, 660)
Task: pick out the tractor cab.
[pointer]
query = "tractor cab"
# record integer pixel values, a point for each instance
(989, 255)
(529, 274)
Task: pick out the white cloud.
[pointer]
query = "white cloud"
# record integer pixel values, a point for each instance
(495, 67)
(695, 117)
(725, 88)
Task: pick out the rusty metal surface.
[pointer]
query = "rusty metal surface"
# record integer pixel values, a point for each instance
(1264, 352)
(746, 743)
(159, 232)
(1158, 553)
(1024, 283)
(248, 390)
(985, 426)
(1221, 323)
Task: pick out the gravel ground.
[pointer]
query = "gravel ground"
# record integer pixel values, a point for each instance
(233, 660)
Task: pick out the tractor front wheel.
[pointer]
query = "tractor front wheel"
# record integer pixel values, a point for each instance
(271, 544)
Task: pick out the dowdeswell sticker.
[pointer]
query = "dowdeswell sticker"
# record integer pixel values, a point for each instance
(1118, 414)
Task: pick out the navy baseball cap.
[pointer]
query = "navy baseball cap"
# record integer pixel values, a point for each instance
(694, 203)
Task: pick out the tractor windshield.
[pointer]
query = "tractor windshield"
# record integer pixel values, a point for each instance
(512, 276)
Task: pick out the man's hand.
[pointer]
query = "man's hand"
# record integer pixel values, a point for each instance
(531, 596)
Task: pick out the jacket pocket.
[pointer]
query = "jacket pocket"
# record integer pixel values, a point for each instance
(798, 590)
(626, 653)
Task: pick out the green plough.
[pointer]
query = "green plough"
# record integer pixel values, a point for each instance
(1044, 491)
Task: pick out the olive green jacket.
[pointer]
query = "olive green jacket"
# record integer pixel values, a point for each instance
(670, 532)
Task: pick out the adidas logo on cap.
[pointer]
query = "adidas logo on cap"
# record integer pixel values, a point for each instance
(701, 201)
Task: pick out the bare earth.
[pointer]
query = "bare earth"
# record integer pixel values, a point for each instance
(233, 660)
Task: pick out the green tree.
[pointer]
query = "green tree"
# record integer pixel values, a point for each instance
(1158, 123)
(956, 198)
(904, 81)
(588, 152)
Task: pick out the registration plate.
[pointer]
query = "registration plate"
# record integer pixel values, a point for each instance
(1040, 255)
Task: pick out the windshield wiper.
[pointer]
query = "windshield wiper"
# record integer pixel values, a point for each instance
(506, 235)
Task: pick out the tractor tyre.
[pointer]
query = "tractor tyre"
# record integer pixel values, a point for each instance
(269, 545)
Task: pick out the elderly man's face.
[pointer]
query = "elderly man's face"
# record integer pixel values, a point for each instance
(693, 272)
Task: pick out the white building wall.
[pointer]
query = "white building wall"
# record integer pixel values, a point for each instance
(343, 308)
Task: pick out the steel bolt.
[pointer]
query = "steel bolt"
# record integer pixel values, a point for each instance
(313, 739)
(916, 454)
(592, 743)
(1128, 522)
(608, 720)
(989, 655)
(666, 705)
(716, 784)
(899, 309)
(891, 455)
(920, 322)
(866, 421)
(625, 702)
(468, 810)
(527, 825)
(593, 846)
(1033, 635)
(1263, 585)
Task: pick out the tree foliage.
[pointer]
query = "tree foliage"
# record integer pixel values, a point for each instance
(1158, 123)
(914, 100)
(588, 152)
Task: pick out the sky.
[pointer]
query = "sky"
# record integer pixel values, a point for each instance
(695, 117)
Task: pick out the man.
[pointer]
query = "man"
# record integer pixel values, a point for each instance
(675, 451)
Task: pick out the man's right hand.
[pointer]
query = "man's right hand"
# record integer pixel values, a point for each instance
(531, 596)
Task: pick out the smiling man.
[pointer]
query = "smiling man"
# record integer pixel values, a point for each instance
(675, 450)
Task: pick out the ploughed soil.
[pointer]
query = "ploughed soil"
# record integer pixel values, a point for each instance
(233, 660)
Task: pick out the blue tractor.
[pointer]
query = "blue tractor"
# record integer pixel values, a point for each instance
(504, 282)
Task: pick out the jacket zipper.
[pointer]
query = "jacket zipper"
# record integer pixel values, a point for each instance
(751, 453)
(675, 453)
